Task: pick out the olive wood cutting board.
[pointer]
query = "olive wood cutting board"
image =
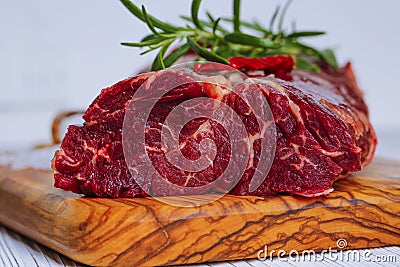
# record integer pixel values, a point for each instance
(364, 210)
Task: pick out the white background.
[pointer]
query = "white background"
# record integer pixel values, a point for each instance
(57, 55)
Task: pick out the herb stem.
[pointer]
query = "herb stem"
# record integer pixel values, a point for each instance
(236, 15)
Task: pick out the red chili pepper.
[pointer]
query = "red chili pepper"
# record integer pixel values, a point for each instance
(280, 65)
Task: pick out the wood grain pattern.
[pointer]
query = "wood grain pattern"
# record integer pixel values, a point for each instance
(365, 210)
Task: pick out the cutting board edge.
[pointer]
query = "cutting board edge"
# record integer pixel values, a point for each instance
(76, 254)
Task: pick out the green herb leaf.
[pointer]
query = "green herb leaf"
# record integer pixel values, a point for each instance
(204, 53)
(148, 21)
(305, 34)
(205, 23)
(306, 50)
(273, 18)
(195, 13)
(210, 17)
(147, 51)
(306, 65)
(236, 15)
(175, 55)
(215, 27)
(284, 10)
(251, 25)
(329, 57)
(149, 37)
(144, 43)
(245, 39)
(225, 51)
(157, 23)
(158, 62)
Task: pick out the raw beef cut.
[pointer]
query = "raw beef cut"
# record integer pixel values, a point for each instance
(323, 133)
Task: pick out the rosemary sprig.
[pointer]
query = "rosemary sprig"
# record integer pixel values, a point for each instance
(211, 41)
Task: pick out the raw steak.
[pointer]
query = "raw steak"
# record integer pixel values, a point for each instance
(322, 134)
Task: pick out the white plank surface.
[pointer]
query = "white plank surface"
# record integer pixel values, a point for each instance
(18, 251)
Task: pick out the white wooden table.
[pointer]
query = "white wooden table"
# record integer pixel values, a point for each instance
(16, 250)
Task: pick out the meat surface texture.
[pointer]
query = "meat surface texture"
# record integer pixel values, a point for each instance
(323, 133)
